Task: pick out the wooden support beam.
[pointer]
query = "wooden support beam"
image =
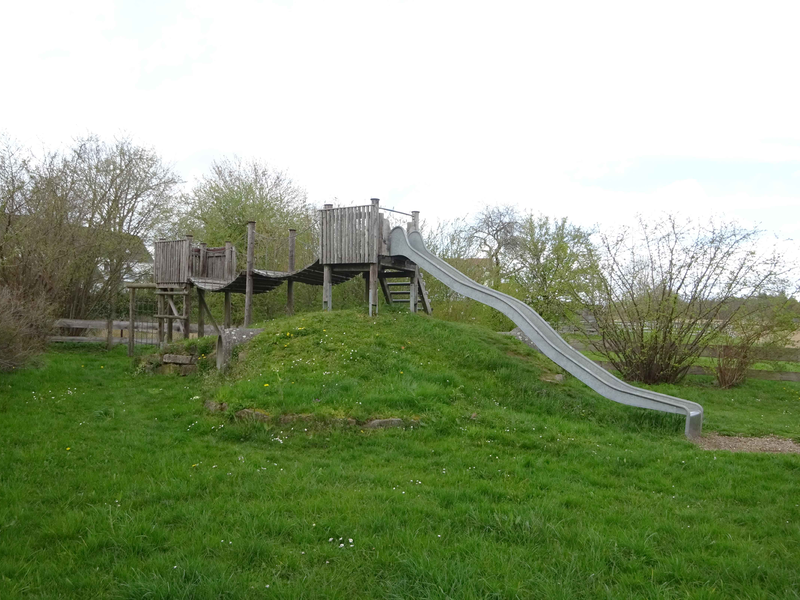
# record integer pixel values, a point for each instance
(365, 275)
(373, 289)
(327, 288)
(290, 283)
(160, 321)
(201, 299)
(412, 294)
(187, 312)
(171, 304)
(203, 260)
(226, 320)
(201, 321)
(248, 295)
(131, 320)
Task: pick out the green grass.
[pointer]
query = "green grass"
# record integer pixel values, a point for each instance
(549, 492)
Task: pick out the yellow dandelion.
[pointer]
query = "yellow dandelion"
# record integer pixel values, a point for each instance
(401, 372)
(101, 366)
(194, 465)
(69, 448)
(266, 385)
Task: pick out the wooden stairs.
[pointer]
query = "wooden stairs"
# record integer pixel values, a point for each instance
(396, 287)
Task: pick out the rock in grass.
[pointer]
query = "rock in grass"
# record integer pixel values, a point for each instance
(253, 414)
(178, 359)
(384, 423)
(188, 370)
(215, 407)
(552, 378)
(283, 419)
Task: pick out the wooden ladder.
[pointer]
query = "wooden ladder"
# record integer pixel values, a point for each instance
(398, 290)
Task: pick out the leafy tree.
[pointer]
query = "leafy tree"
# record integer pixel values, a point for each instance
(553, 263)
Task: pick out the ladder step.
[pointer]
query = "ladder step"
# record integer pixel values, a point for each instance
(172, 293)
(395, 283)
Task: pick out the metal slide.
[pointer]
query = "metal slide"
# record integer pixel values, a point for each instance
(552, 345)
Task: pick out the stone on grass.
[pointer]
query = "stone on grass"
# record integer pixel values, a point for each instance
(215, 407)
(188, 370)
(552, 378)
(283, 419)
(383, 423)
(253, 414)
(178, 359)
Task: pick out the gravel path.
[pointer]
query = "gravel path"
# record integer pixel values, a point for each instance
(714, 441)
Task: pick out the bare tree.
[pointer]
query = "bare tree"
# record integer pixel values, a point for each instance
(493, 232)
(659, 295)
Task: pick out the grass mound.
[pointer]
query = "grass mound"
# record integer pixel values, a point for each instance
(347, 364)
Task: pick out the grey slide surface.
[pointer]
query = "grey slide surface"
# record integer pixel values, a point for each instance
(545, 337)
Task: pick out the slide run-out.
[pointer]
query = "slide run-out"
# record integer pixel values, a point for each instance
(543, 336)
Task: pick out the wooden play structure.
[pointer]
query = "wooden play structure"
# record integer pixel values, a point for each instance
(352, 241)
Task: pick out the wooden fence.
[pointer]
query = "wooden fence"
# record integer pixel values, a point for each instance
(349, 235)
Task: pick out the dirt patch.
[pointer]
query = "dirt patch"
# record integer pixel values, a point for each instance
(772, 443)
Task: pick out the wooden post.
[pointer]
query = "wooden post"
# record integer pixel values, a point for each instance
(160, 320)
(326, 288)
(415, 219)
(413, 290)
(365, 275)
(229, 268)
(170, 303)
(201, 318)
(248, 296)
(131, 317)
(187, 288)
(290, 283)
(374, 250)
(203, 260)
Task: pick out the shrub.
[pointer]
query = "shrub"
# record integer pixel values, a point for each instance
(25, 324)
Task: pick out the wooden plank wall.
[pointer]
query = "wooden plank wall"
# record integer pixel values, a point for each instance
(171, 264)
(346, 235)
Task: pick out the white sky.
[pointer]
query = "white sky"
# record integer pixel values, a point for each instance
(590, 110)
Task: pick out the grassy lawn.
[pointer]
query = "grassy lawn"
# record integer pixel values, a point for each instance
(120, 485)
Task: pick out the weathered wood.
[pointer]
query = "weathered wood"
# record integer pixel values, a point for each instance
(327, 289)
(204, 307)
(248, 296)
(131, 320)
(365, 275)
(412, 291)
(226, 318)
(201, 320)
(160, 308)
(228, 258)
(374, 234)
(203, 271)
(187, 312)
(289, 282)
(139, 285)
(170, 304)
(373, 289)
(426, 303)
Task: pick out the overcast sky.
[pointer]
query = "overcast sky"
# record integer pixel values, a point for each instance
(592, 110)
